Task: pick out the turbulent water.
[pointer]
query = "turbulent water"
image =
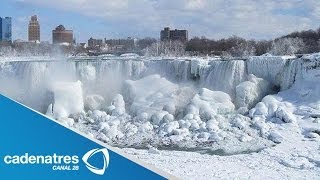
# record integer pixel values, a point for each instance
(202, 102)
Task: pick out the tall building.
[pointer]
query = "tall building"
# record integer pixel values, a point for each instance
(61, 35)
(34, 29)
(173, 35)
(5, 29)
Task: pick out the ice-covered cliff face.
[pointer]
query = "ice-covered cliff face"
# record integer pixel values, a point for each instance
(181, 103)
(30, 79)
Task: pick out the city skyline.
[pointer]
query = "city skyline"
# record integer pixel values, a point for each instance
(119, 19)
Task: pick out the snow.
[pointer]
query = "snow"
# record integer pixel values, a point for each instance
(250, 92)
(88, 73)
(197, 118)
(293, 160)
(223, 75)
(267, 67)
(208, 103)
(68, 99)
(289, 118)
(94, 102)
(130, 55)
(117, 107)
(149, 94)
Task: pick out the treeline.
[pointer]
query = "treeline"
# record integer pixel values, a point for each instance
(232, 46)
(310, 40)
(295, 43)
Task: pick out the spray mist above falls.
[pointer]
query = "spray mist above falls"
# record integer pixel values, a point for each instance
(181, 103)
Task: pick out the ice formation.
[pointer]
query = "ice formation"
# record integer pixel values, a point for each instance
(67, 99)
(249, 93)
(213, 105)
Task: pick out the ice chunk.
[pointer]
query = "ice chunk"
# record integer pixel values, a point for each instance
(117, 105)
(93, 102)
(210, 103)
(250, 92)
(68, 99)
(275, 137)
(67, 121)
(285, 115)
(149, 94)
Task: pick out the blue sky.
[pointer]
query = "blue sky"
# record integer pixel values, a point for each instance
(257, 19)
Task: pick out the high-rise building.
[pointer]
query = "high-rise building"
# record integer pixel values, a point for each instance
(61, 35)
(173, 35)
(5, 29)
(34, 29)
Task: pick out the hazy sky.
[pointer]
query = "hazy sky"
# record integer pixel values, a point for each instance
(260, 19)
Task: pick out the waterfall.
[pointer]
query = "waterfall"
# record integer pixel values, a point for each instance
(223, 75)
(27, 81)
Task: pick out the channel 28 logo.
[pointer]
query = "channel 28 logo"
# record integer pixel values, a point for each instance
(86, 157)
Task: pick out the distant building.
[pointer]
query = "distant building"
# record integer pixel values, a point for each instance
(121, 44)
(5, 29)
(34, 29)
(83, 45)
(60, 35)
(173, 35)
(92, 43)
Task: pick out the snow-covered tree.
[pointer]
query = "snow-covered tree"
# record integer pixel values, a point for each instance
(7, 51)
(287, 46)
(243, 49)
(165, 48)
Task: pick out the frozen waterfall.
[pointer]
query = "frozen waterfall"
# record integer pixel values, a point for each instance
(27, 80)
